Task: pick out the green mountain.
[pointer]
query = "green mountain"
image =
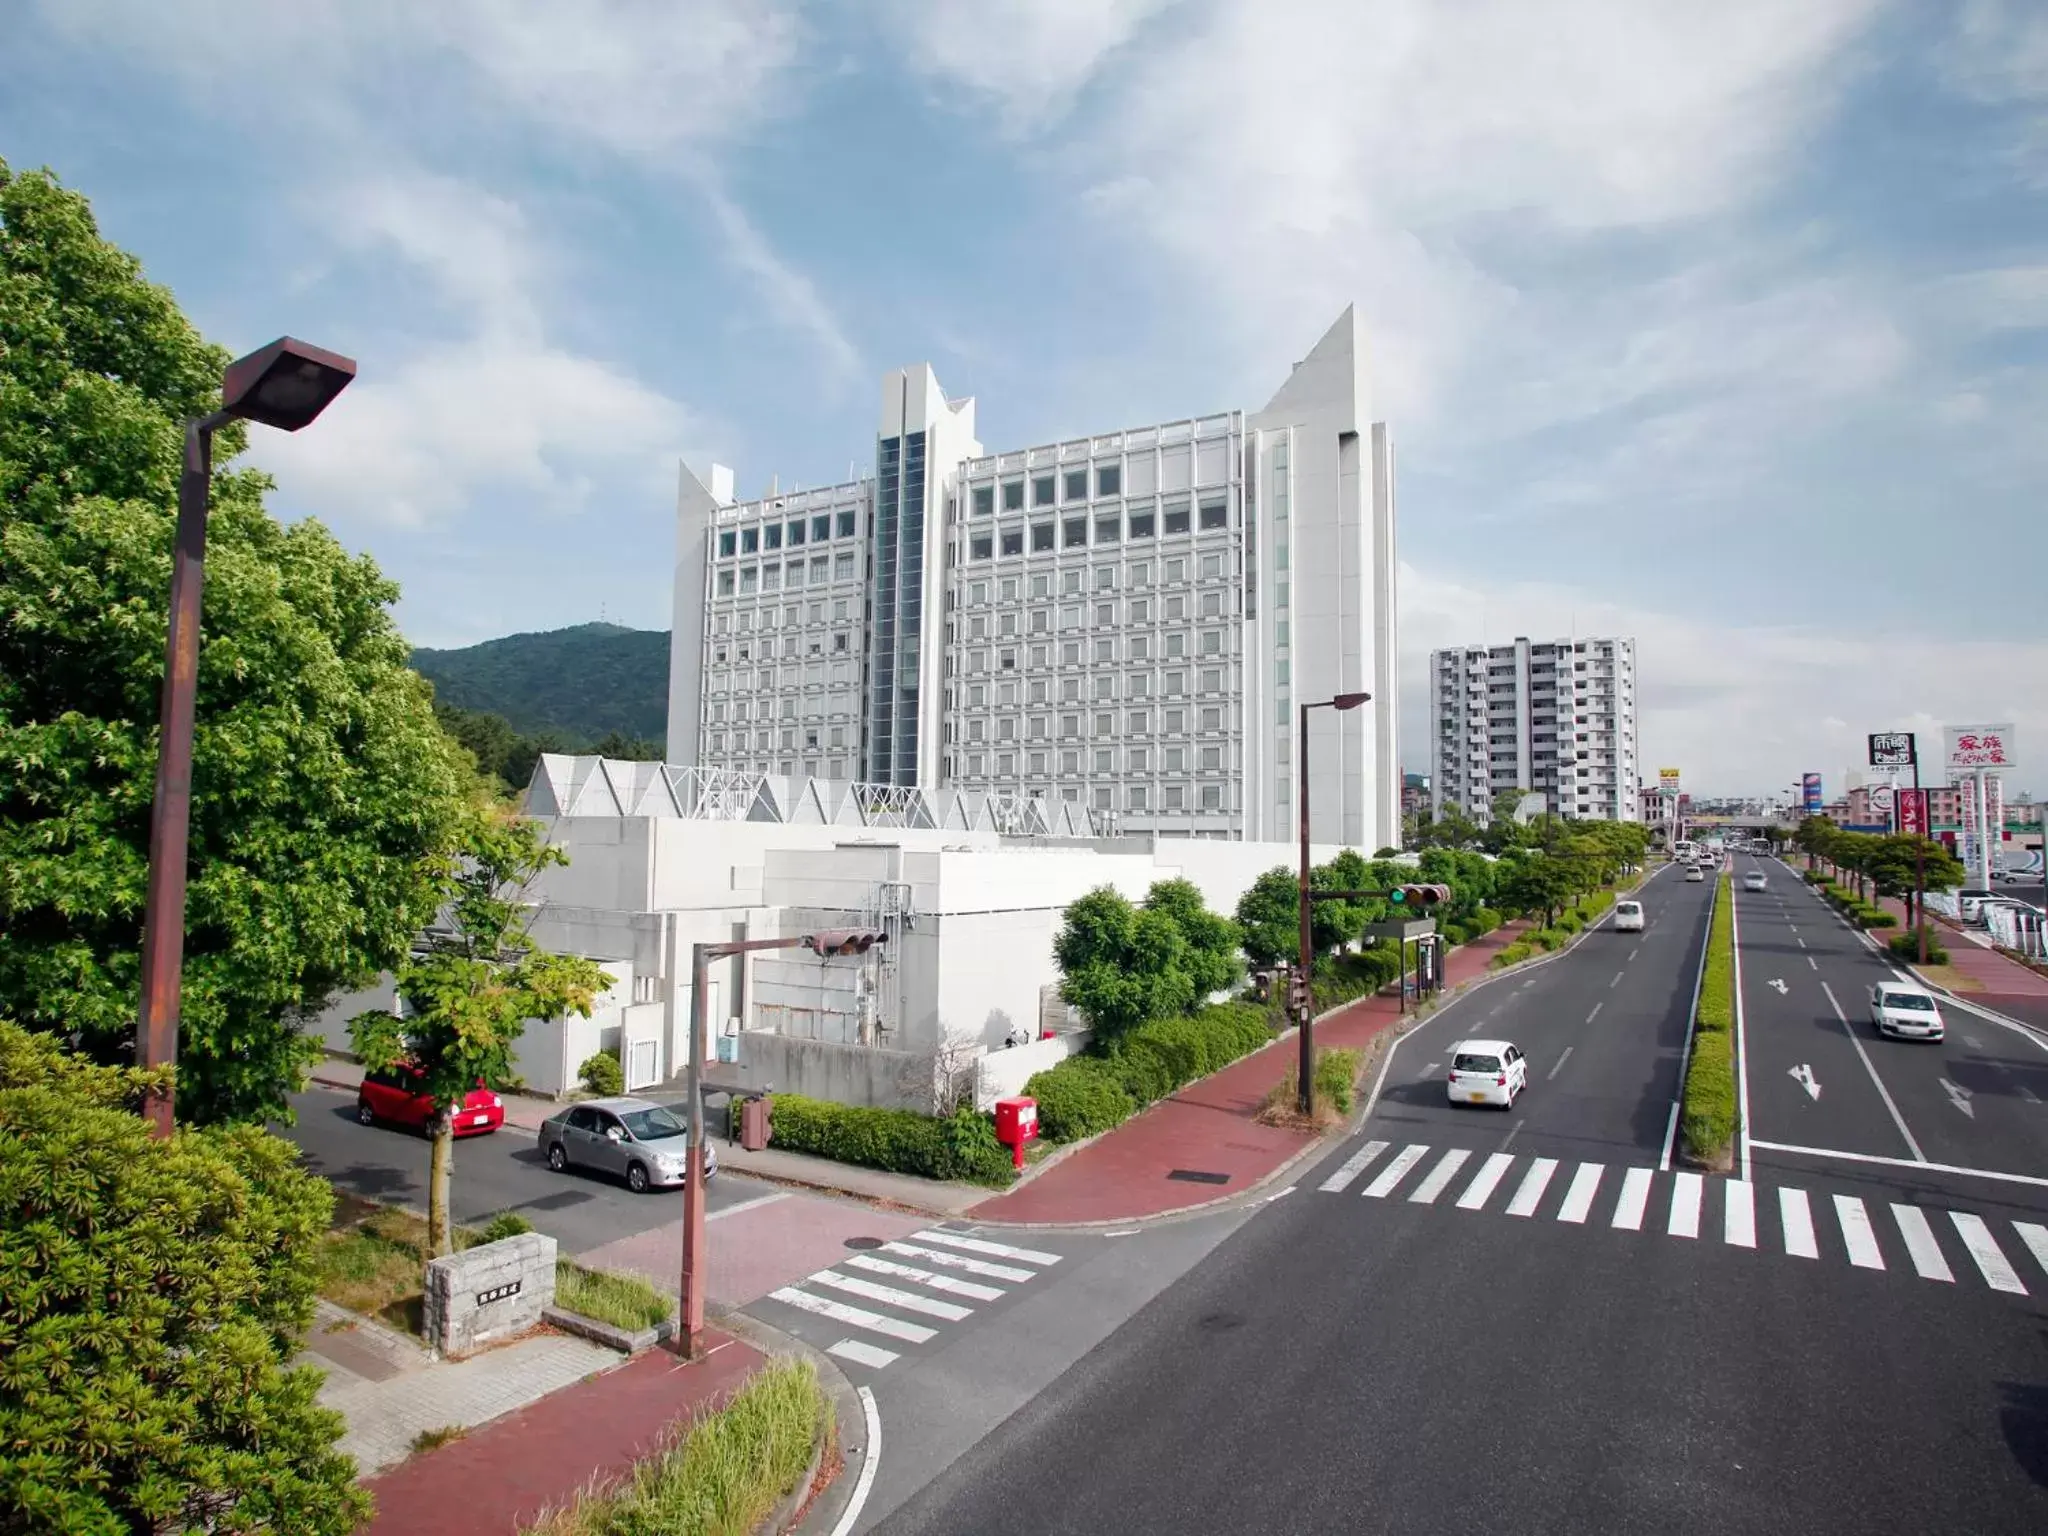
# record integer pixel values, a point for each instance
(579, 684)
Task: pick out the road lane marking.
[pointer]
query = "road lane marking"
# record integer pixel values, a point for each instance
(1561, 1060)
(1921, 1247)
(1595, 1013)
(748, 1205)
(861, 1354)
(982, 1245)
(1812, 964)
(1533, 1184)
(1991, 1260)
(956, 1261)
(1857, 1233)
(1738, 1213)
(1578, 1199)
(1795, 1215)
(1431, 1070)
(855, 1317)
(1898, 1119)
(1617, 980)
(1395, 1171)
(1802, 943)
(1635, 1195)
(1484, 1182)
(1446, 1169)
(2035, 1236)
(1354, 1165)
(1686, 1190)
(1905, 1162)
(868, 1463)
(947, 1283)
(888, 1295)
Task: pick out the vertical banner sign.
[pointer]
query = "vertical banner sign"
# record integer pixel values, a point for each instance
(1809, 793)
(1994, 815)
(1891, 749)
(1980, 749)
(1913, 811)
(1968, 819)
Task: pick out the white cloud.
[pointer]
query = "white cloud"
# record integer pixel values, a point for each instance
(1998, 51)
(1740, 709)
(1029, 57)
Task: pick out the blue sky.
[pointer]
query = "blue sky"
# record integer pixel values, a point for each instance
(1722, 326)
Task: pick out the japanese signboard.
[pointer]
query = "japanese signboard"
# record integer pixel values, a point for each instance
(1975, 748)
(1913, 811)
(1667, 780)
(1891, 749)
(1809, 793)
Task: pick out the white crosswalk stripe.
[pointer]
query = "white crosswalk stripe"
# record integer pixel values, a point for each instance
(1749, 1218)
(862, 1354)
(937, 1282)
(958, 1261)
(1395, 1172)
(982, 1245)
(1442, 1174)
(909, 1301)
(854, 1317)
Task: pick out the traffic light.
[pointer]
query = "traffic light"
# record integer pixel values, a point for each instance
(1298, 996)
(1418, 898)
(844, 941)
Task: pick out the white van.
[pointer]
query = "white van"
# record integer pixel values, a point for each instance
(1628, 917)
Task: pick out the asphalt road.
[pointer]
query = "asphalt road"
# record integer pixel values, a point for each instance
(1386, 1352)
(499, 1172)
(1820, 1076)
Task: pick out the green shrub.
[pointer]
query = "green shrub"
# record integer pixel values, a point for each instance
(962, 1146)
(1485, 920)
(1082, 1096)
(1514, 954)
(1595, 904)
(1337, 1077)
(1708, 1115)
(1814, 877)
(503, 1225)
(1339, 979)
(602, 1074)
(1569, 921)
(1549, 938)
(1906, 946)
(1879, 918)
(1716, 1009)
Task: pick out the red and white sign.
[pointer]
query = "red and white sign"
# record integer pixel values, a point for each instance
(1973, 748)
(1913, 811)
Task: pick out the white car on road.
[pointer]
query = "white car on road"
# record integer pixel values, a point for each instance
(1899, 1008)
(1628, 917)
(1753, 881)
(1487, 1072)
(1695, 873)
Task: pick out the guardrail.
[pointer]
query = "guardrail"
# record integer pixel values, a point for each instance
(2020, 932)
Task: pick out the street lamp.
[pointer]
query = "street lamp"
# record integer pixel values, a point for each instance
(285, 385)
(1306, 1072)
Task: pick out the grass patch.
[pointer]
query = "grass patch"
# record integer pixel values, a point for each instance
(1334, 1091)
(624, 1301)
(1707, 1113)
(717, 1476)
(373, 1259)
(1949, 977)
(433, 1439)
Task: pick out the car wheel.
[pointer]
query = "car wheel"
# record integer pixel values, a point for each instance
(636, 1178)
(558, 1159)
(364, 1114)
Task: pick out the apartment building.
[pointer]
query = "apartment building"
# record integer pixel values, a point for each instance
(1557, 717)
(1126, 622)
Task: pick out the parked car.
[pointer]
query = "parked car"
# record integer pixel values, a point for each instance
(1487, 1072)
(1970, 902)
(1898, 1008)
(1628, 917)
(645, 1143)
(397, 1096)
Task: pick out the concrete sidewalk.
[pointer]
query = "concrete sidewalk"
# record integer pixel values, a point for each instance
(1202, 1143)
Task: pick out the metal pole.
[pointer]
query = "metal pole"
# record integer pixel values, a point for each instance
(692, 1320)
(170, 821)
(1306, 1071)
(1920, 855)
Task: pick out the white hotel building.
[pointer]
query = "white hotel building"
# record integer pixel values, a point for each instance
(1123, 622)
(1557, 717)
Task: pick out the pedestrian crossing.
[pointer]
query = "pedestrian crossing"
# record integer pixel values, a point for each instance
(1949, 1247)
(905, 1290)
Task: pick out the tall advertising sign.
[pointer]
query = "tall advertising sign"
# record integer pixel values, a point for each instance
(1809, 793)
(1913, 812)
(1980, 748)
(1667, 780)
(1892, 749)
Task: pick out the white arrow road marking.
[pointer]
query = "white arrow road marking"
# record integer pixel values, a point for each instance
(1803, 1076)
(1959, 1096)
(1781, 987)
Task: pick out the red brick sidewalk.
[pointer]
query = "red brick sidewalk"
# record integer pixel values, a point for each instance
(2000, 983)
(514, 1468)
(1207, 1127)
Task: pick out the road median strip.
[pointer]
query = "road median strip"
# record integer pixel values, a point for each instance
(1708, 1104)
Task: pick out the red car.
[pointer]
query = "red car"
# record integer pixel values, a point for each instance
(396, 1095)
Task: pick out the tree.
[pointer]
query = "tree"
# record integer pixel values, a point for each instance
(472, 984)
(1895, 869)
(1212, 941)
(323, 793)
(151, 1294)
(1536, 882)
(1120, 964)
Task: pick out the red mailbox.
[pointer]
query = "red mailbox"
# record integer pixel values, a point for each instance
(1016, 1124)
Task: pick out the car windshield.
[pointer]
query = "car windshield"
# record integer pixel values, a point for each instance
(1470, 1063)
(1909, 1002)
(651, 1124)
(1627, 909)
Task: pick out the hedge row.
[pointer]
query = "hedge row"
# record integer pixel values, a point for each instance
(1707, 1115)
(962, 1146)
(1862, 913)
(1086, 1095)
(1514, 954)
(1477, 926)
(1906, 946)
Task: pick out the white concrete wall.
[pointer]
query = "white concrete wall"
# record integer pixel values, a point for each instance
(1003, 1074)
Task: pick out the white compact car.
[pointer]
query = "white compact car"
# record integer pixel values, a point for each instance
(1695, 873)
(1487, 1072)
(1628, 917)
(1753, 881)
(1898, 1008)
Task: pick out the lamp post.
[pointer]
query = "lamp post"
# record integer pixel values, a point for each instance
(285, 385)
(1306, 1072)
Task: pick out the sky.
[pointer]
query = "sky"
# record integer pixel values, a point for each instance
(1721, 326)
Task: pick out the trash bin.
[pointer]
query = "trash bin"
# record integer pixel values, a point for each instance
(754, 1126)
